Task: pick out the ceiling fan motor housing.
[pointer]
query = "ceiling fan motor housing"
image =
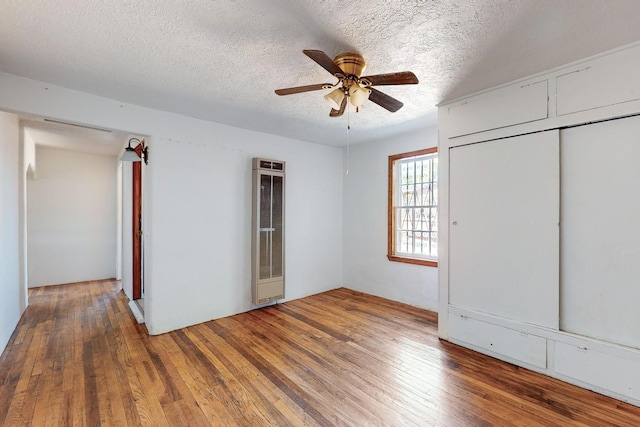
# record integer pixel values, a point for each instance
(350, 63)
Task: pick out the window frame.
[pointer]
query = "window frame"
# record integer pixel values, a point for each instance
(391, 241)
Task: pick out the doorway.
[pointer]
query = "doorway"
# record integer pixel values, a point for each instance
(79, 140)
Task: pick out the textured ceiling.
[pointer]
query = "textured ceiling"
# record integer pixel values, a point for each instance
(221, 60)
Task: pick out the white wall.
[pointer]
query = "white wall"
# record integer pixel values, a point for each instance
(197, 199)
(199, 214)
(71, 217)
(366, 267)
(29, 155)
(28, 172)
(119, 208)
(12, 301)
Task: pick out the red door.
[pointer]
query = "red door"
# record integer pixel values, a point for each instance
(137, 225)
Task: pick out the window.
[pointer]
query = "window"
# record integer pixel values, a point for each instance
(413, 207)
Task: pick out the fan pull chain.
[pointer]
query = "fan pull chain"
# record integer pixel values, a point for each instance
(348, 139)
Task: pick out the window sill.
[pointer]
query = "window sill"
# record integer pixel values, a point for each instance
(416, 261)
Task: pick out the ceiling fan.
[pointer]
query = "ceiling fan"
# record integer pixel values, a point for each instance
(348, 69)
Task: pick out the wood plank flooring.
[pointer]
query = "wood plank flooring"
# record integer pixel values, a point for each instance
(340, 358)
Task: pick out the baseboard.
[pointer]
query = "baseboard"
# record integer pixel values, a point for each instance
(137, 313)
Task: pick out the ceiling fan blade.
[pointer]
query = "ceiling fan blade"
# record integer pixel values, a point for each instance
(384, 100)
(401, 78)
(338, 113)
(300, 89)
(324, 61)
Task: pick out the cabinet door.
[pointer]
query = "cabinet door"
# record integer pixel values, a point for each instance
(609, 80)
(503, 231)
(600, 231)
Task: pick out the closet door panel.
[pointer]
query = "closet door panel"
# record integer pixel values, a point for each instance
(504, 239)
(600, 231)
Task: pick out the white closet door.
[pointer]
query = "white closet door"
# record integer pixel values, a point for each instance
(504, 238)
(600, 231)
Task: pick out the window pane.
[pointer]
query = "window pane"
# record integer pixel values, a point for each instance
(265, 226)
(416, 196)
(276, 225)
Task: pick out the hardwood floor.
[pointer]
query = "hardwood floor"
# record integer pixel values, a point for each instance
(338, 358)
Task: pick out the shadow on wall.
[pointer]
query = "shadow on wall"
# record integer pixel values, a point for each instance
(539, 26)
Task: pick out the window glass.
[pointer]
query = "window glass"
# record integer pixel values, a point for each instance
(413, 210)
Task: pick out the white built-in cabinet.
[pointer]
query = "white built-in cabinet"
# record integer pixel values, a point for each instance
(540, 223)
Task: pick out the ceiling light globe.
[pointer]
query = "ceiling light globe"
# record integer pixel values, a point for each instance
(358, 95)
(334, 98)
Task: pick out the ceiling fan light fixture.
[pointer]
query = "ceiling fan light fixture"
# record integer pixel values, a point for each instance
(358, 95)
(334, 98)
